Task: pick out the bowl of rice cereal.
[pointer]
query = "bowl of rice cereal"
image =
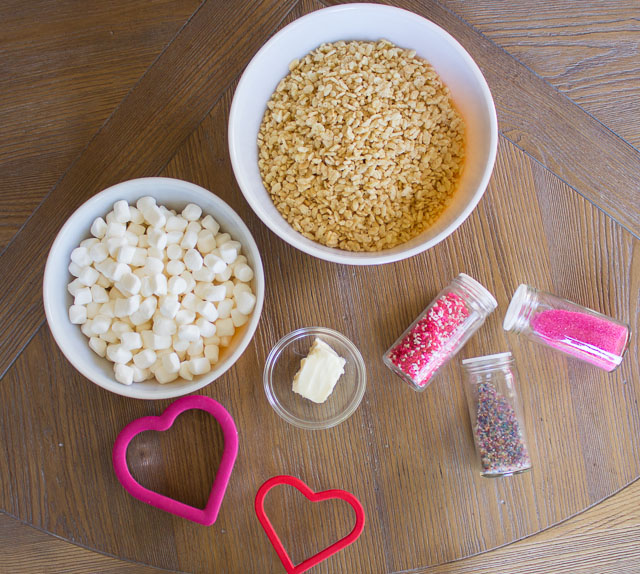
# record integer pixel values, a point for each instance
(362, 134)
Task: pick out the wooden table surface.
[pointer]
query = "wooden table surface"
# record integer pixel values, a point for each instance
(95, 93)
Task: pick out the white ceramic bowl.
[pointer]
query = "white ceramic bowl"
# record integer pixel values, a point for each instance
(365, 22)
(174, 194)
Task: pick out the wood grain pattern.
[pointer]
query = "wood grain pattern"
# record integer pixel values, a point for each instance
(62, 72)
(589, 52)
(408, 457)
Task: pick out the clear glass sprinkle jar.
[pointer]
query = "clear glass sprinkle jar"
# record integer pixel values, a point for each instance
(496, 415)
(567, 327)
(440, 331)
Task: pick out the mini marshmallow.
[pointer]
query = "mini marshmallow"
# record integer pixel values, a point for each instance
(98, 346)
(120, 328)
(164, 326)
(189, 240)
(156, 253)
(88, 276)
(125, 254)
(199, 366)
(241, 288)
(225, 328)
(164, 377)
(216, 293)
(204, 274)
(222, 239)
(129, 284)
(159, 284)
(139, 257)
(206, 241)
(171, 363)
(98, 252)
(101, 324)
(87, 328)
(212, 352)
(89, 242)
(98, 228)
(117, 270)
(169, 306)
(225, 341)
(224, 275)
(174, 251)
(228, 286)
(145, 203)
(75, 269)
(115, 229)
(123, 374)
(174, 237)
(136, 229)
(188, 333)
(78, 314)
(80, 256)
(192, 212)
(175, 267)
(238, 318)
(157, 238)
(146, 289)
(229, 252)
(130, 239)
(113, 245)
(117, 354)
(180, 345)
(108, 309)
(224, 308)
(176, 223)
(243, 272)
(131, 341)
(176, 285)
(184, 371)
(152, 265)
(93, 309)
(103, 281)
(136, 215)
(151, 340)
(185, 316)
(211, 224)
(76, 285)
(83, 296)
(121, 211)
(140, 375)
(109, 337)
(191, 282)
(126, 307)
(207, 310)
(196, 348)
(155, 216)
(207, 329)
(215, 263)
(144, 359)
(191, 302)
(245, 302)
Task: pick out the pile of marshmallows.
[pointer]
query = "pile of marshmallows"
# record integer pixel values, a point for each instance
(158, 293)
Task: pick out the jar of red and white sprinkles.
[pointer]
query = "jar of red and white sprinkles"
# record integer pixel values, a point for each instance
(567, 327)
(440, 331)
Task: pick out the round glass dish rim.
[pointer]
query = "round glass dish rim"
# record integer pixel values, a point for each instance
(272, 358)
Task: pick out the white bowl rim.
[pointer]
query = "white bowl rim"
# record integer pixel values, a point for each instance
(338, 255)
(167, 391)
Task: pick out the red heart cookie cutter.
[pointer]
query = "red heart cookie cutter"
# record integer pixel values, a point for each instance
(313, 497)
(209, 513)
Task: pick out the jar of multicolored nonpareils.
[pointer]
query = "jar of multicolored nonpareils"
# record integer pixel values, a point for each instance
(496, 418)
(567, 327)
(440, 331)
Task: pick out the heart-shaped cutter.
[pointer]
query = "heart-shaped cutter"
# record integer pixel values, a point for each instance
(206, 516)
(313, 497)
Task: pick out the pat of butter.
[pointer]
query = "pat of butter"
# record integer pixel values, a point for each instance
(319, 372)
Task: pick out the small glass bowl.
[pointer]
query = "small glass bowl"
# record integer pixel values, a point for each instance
(282, 365)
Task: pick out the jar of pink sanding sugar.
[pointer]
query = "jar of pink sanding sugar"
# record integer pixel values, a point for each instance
(567, 327)
(440, 331)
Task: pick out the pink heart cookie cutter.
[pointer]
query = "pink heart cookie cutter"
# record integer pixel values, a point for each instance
(207, 515)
